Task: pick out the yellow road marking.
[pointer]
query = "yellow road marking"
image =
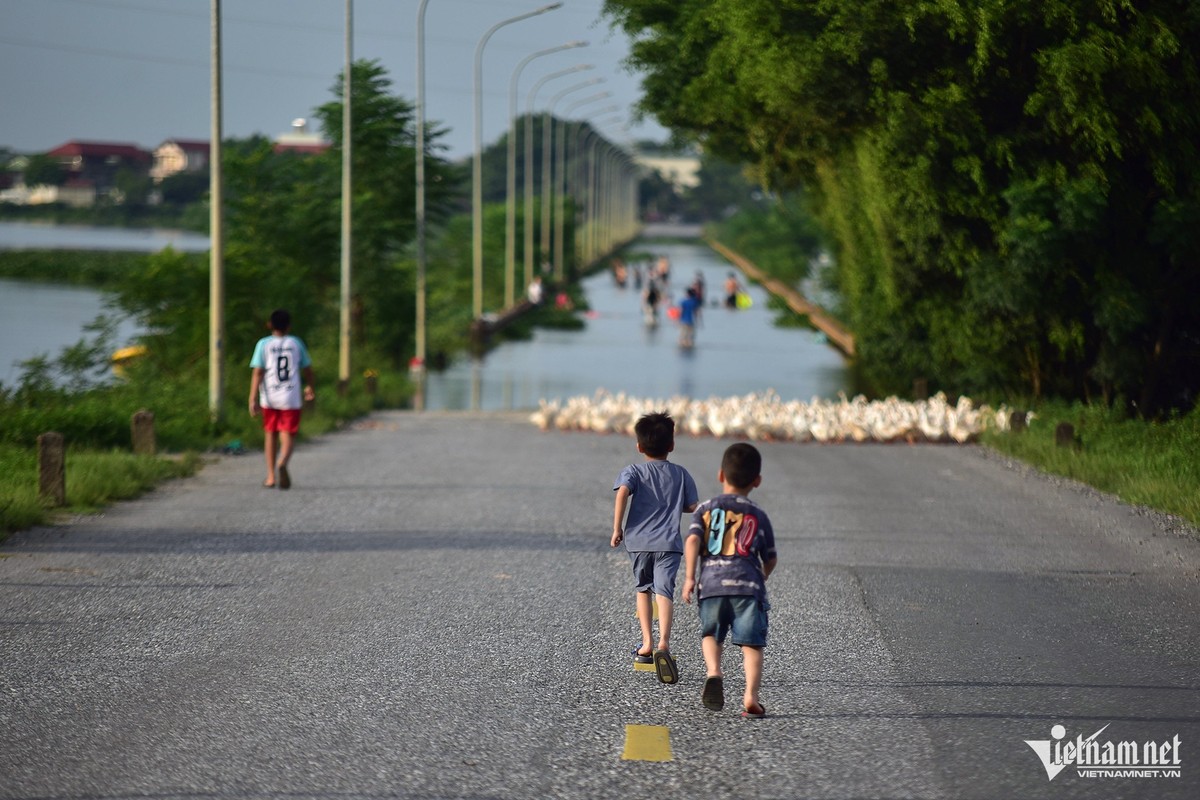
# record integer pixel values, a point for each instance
(644, 667)
(647, 743)
(653, 611)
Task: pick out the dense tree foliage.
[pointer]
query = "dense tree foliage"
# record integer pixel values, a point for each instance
(283, 235)
(44, 170)
(1010, 188)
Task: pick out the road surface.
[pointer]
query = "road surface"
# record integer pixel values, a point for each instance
(433, 611)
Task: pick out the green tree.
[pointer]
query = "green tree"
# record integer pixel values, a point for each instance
(383, 170)
(184, 188)
(43, 170)
(1009, 187)
(283, 239)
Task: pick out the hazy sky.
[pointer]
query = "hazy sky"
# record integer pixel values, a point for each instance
(137, 71)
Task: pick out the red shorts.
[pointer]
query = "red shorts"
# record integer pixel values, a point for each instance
(281, 419)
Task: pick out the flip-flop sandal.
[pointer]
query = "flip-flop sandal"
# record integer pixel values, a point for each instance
(642, 658)
(285, 480)
(665, 666)
(756, 711)
(268, 485)
(713, 695)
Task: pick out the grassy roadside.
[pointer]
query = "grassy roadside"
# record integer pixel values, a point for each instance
(94, 479)
(101, 470)
(1143, 462)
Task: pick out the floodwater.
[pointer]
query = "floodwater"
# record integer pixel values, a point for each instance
(47, 236)
(42, 319)
(736, 351)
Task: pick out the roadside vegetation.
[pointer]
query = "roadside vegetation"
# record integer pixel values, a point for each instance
(1144, 462)
(282, 250)
(1009, 199)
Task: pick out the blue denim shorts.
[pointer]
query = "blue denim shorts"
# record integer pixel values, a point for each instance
(655, 571)
(743, 614)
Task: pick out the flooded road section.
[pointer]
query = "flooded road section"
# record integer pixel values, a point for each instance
(736, 351)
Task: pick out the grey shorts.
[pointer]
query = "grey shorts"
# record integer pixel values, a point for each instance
(655, 571)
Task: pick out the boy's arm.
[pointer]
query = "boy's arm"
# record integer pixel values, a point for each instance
(309, 392)
(769, 566)
(691, 559)
(689, 490)
(255, 381)
(619, 515)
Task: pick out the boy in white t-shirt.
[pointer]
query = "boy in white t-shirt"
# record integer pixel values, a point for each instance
(279, 362)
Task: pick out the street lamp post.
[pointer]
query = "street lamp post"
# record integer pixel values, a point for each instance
(547, 167)
(510, 254)
(477, 172)
(561, 173)
(529, 162)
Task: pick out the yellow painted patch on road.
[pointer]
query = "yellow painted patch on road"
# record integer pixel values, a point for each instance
(643, 667)
(653, 611)
(647, 743)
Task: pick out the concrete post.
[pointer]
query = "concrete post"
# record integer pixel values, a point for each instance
(141, 428)
(1064, 435)
(52, 469)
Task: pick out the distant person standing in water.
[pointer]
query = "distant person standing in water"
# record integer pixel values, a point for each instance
(732, 289)
(689, 310)
(279, 363)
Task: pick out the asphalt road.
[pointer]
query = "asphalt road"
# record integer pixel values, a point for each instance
(433, 611)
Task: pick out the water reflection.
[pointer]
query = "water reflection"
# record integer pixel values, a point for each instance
(736, 352)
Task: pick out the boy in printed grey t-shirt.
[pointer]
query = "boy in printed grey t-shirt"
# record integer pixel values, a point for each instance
(729, 552)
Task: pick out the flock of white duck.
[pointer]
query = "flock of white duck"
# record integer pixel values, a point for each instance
(767, 417)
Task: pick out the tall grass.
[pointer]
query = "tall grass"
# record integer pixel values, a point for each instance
(94, 479)
(1150, 463)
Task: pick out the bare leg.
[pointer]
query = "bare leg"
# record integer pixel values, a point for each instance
(712, 656)
(752, 659)
(285, 448)
(269, 447)
(645, 614)
(666, 612)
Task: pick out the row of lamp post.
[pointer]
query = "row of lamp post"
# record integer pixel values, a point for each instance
(591, 221)
(613, 217)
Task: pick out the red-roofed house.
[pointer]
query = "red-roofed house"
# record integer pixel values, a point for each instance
(99, 162)
(179, 155)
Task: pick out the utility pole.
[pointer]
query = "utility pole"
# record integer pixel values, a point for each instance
(347, 202)
(216, 255)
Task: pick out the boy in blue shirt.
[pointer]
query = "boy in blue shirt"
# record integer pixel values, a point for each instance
(655, 493)
(689, 310)
(729, 553)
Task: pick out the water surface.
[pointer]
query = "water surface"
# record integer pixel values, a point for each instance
(736, 352)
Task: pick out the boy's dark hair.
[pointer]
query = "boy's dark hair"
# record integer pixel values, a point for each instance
(656, 434)
(742, 463)
(281, 320)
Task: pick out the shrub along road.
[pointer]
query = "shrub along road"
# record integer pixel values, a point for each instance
(433, 611)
